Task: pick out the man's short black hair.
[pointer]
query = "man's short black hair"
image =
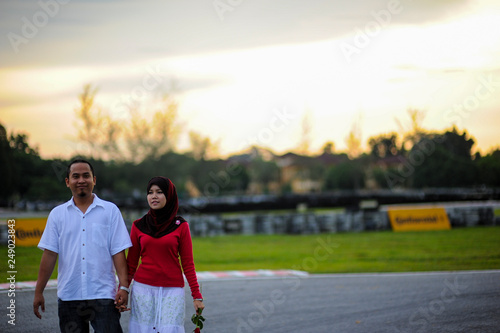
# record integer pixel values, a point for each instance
(68, 170)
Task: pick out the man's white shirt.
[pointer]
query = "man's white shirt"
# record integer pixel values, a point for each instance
(85, 244)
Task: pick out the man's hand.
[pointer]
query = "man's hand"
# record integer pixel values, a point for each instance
(47, 264)
(121, 300)
(37, 302)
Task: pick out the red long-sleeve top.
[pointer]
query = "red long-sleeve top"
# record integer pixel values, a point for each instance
(160, 266)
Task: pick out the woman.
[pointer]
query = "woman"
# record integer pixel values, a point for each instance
(159, 239)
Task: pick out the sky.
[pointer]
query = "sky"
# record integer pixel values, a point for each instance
(253, 72)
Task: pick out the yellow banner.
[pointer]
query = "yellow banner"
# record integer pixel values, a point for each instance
(29, 230)
(417, 219)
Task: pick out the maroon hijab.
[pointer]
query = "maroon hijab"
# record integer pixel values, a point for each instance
(160, 222)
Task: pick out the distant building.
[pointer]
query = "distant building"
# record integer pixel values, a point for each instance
(304, 173)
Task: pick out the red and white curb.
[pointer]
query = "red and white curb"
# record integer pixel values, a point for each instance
(248, 274)
(202, 276)
(26, 285)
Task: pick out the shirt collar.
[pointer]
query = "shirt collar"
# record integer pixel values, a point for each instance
(96, 202)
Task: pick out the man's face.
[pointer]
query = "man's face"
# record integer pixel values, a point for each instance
(81, 181)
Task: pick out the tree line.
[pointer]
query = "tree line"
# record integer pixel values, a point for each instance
(435, 160)
(126, 155)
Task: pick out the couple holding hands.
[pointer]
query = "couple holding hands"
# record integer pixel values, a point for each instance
(89, 237)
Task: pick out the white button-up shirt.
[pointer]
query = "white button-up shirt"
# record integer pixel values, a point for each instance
(85, 244)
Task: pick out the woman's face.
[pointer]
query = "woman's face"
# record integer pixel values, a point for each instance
(156, 197)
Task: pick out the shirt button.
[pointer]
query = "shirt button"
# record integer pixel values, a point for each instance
(83, 244)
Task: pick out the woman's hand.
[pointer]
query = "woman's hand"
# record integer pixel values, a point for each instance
(121, 300)
(198, 305)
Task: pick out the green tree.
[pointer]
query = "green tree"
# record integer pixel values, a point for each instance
(384, 145)
(443, 160)
(328, 147)
(6, 167)
(27, 162)
(458, 144)
(345, 176)
(215, 177)
(264, 172)
(46, 185)
(177, 167)
(489, 169)
(26, 175)
(382, 177)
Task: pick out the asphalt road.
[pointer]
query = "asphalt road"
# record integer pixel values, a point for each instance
(389, 303)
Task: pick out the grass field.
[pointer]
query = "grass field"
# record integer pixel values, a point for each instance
(457, 249)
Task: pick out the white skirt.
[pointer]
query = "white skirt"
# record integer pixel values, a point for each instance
(156, 309)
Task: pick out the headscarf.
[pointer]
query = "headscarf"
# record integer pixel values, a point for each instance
(160, 222)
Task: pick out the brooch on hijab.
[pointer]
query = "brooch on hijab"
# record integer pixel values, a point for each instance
(177, 222)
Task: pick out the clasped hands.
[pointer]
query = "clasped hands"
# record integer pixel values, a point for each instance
(121, 301)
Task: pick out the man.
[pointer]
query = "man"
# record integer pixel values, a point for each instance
(89, 236)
